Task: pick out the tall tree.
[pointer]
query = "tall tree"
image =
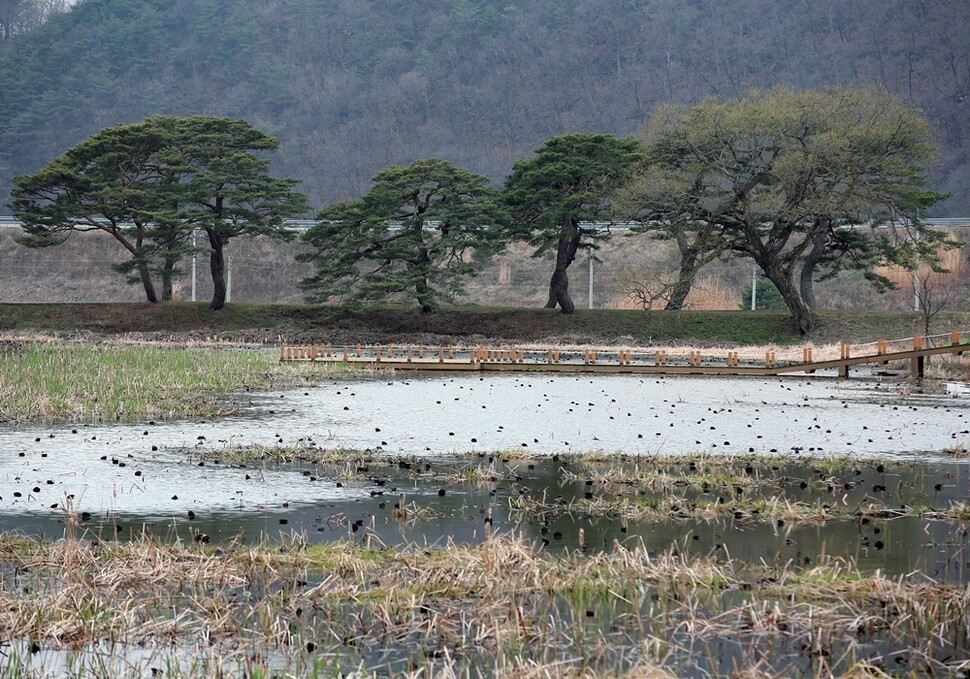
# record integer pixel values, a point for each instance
(105, 183)
(698, 243)
(788, 178)
(418, 232)
(150, 184)
(223, 187)
(559, 194)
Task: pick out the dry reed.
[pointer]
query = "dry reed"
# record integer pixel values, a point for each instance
(502, 607)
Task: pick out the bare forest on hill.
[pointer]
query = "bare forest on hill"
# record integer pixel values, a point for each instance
(353, 87)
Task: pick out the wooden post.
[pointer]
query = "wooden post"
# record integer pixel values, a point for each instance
(845, 350)
(917, 341)
(954, 338)
(441, 354)
(346, 353)
(420, 351)
(377, 353)
(359, 351)
(313, 352)
(916, 365)
(806, 354)
(409, 353)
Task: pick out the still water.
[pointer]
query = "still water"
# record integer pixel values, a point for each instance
(126, 478)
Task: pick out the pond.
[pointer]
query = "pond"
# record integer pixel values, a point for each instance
(772, 475)
(177, 478)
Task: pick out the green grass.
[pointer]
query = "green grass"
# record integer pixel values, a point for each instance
(71, 381)
(298, 322)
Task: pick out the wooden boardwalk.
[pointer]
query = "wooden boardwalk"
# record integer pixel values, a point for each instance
(912, 351)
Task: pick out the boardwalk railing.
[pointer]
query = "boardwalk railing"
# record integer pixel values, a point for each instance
(915, 350)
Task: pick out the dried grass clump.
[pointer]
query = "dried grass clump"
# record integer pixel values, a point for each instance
(500, 608)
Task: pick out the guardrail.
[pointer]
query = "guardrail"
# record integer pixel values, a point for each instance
(622, 360)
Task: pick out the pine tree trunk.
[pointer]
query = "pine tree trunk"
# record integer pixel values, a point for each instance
(802, 317)
(217, 267)
(807, 277)
(685, 280)
(425, 298)
(168, 272)
(146, 280)
(569, 239)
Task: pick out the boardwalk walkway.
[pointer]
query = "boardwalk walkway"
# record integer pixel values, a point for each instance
(913, 351)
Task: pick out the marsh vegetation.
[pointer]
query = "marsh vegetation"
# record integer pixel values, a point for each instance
(381, 525)
(83, 382)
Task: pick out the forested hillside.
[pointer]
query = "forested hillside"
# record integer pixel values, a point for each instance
(352, 86)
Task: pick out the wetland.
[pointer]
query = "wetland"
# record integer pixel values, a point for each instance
(392, 524)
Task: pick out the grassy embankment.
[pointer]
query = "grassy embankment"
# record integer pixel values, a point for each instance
(268, 322)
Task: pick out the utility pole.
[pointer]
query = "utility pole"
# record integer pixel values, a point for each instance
(194, 257)
(590, 296)
(754, 287)
(916, 292)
